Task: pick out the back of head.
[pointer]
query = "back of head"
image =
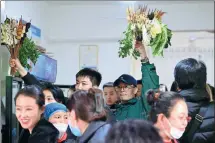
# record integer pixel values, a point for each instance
(152, 95)
(94, 76)
(190, 73)
(163, 104)
(86, 106)
(133, 131)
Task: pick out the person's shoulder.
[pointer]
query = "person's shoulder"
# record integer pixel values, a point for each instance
(45, 126)
(102, 131)
(104, 128)
(44, 131)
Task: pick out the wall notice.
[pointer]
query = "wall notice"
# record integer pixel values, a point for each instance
(88, 56)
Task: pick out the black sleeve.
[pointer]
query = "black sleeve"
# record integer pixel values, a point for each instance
(29, 79)
(44, 132)
(23, 137)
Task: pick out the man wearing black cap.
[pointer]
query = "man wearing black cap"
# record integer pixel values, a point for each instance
(132, 107)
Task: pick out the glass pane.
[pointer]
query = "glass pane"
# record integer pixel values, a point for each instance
(15, 123)
(3, 115)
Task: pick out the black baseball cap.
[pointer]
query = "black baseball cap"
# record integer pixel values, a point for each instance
(125, 78)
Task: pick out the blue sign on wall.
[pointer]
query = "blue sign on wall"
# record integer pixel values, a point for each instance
(45, 68)
(35, 31)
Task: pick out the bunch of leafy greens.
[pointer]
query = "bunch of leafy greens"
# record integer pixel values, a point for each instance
(161, 41)
(158, 44)
(126, 44)
(27, 51)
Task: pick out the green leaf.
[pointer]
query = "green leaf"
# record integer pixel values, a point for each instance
(162, 42)
(126, 45)
(28, 51)
(157, 44)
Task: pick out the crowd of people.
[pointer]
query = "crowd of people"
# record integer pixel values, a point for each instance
(125, 111)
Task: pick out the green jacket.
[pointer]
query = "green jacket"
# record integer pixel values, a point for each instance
(138, 108)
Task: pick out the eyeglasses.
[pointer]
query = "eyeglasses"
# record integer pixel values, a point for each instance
(188, 119)
(126, 87)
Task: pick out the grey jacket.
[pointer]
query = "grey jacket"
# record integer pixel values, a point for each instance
(95, 132)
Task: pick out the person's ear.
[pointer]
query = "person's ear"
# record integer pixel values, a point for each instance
(73, 115)
(161, 119)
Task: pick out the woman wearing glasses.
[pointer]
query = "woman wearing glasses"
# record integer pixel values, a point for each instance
(169, 113)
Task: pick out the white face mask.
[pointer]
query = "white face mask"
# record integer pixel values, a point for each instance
(61, 127)
(46, 103)
(174, 132)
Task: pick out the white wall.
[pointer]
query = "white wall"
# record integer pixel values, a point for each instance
(91, 20)
(67, 56)
(74, 23)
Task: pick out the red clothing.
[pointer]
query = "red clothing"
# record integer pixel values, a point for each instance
(172, 141)
(63, 138)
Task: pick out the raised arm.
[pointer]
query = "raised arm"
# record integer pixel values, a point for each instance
(26, 76)
(150, 79)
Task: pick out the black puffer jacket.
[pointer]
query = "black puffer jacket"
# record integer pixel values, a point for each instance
(197, 98)
(43, 132)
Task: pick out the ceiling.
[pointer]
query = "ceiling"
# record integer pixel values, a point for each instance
(100, 2)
